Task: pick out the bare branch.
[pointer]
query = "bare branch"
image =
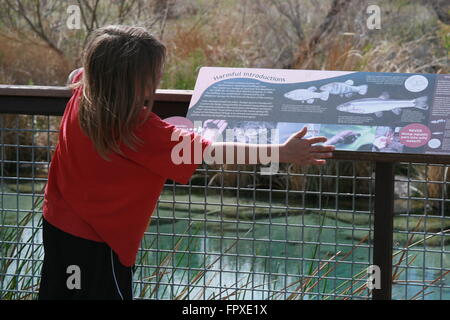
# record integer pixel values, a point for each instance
(325, 28)
(83, 15)
(37, 29)
(441, 8)
(292, 14)
(164, 19)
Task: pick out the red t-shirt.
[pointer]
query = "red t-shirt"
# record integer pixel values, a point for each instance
(112, 201)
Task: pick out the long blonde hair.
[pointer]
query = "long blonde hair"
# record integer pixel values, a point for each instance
(122, 69)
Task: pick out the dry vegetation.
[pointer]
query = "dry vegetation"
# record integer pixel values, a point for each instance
(38, 48)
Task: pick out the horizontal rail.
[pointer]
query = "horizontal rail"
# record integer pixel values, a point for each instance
(65, 92)
(52, 100)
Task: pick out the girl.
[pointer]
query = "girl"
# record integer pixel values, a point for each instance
(109, 167)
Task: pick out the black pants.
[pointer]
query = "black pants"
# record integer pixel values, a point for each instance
(76, 268)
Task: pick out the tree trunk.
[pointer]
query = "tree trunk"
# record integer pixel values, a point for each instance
(307, 50)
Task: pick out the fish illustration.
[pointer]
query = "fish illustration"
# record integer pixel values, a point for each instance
(438, 121)
(381, 104)
(346, 137)
(307, 95)
(344, 88)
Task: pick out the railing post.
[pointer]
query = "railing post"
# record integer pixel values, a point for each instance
(384, 228)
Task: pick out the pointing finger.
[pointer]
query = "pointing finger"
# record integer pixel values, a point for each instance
(317, 162)
(317, 140)
(322, 148)
(321, 155)
(301, 133)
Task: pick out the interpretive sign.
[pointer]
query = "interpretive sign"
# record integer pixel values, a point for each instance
(359, 111)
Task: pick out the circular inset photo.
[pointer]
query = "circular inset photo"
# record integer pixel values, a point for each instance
(434, 143)
(416, 83)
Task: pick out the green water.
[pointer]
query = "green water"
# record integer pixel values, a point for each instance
(276, 249)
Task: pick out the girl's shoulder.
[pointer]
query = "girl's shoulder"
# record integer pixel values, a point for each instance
(75, 76)
(152, 125)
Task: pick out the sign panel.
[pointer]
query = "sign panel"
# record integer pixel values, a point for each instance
(358, 111)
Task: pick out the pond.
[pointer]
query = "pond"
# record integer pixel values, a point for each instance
(219, 249)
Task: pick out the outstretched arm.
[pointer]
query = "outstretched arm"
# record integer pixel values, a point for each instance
(295, 150)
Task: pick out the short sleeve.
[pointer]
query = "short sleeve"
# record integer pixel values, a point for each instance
(168, 151)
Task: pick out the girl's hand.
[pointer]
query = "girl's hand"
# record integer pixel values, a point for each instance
(301, 151)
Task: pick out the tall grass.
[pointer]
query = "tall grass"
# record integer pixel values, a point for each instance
(21, 256)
